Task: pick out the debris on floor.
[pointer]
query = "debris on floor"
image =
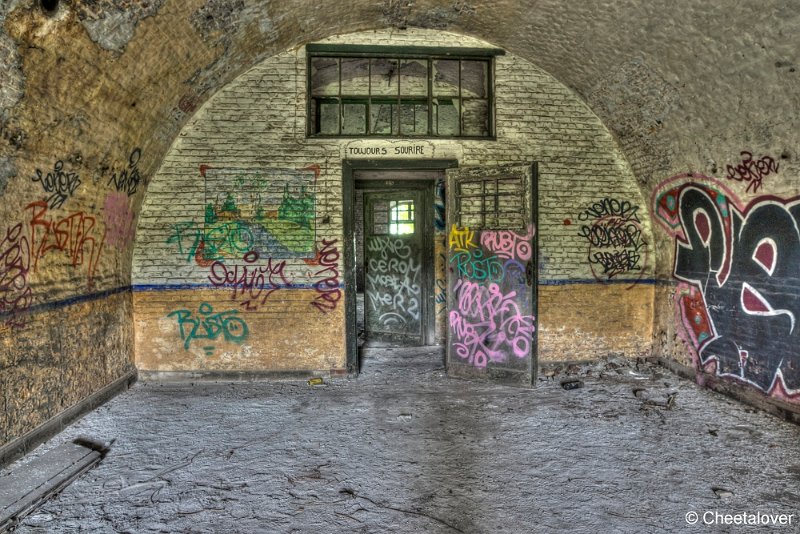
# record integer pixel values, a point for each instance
(401, 448)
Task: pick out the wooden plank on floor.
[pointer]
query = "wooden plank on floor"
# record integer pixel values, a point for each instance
(24, 489)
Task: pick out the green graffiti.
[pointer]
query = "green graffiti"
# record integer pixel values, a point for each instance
(209, 325)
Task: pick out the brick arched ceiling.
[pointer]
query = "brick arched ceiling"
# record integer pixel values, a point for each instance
(682, 85)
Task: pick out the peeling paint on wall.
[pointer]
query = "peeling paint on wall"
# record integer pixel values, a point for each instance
(111, 24)
(7, 171)
(217, 17)
(12, 82)
(12, 88)
(399, 13)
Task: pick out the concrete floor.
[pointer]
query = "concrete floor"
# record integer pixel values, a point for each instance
(402, 448)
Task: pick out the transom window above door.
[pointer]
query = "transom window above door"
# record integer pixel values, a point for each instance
(359, 91)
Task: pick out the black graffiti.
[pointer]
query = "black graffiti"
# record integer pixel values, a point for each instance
(610, 207)
(616, 243)
(752, 171)
(61, 185)
(613, 233)
(617, 262)
(745, 265)
(127, 180)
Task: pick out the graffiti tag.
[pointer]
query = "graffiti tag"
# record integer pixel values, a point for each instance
(737, 299)
(127, 180)
(461, 239)
(61, 185)
(508, 244)
(752, 171)
(328, 292)
(209, 325)
(15, 261)
(393, 281)
(614, 233)
(487, 324)
(77, 236)
(207, 244)
(251, 283)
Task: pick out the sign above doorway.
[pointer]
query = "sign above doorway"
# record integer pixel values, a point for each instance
(399, 149)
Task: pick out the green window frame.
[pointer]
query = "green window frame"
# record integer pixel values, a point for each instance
(417, 92)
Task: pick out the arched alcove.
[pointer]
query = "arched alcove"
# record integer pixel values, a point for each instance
(251, 135)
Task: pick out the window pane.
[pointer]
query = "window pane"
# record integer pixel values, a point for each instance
(445, 77)
(414, 96)
(355, 76)
(474, 78)
(354, 118)
(383, 118)
(414, 77)
(475, 119)
(401, 228)
(324, 76)
(385, 77)
(413, 118)
(328, 113)
(445, 116)
(402, 217)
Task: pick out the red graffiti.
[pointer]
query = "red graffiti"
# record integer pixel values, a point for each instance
(328, 290)
(77, 236)
(15, 260)
(315, 168)
(199, 255)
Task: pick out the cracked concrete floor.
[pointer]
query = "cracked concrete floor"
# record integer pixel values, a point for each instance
(402, 448)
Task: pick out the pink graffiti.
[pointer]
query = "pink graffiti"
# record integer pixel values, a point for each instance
(119, 220)
(15, 261)
(508, 244)
(328, 292)
(488, 325)
(252, 283)
(77, 236)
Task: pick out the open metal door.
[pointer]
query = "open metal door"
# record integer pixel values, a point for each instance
(491, 275)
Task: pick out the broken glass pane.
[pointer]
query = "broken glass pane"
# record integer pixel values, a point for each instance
(445, 77)
(475, 118)
(414, 77)
(324, 76)
(474, 78)
(385, 77)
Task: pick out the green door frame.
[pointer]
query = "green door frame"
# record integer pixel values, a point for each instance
(349, 167)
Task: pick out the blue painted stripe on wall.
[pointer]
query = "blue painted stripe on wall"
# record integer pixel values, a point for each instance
(176, 287)
(45, 306)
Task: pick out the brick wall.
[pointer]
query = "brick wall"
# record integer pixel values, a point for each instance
(256, 127)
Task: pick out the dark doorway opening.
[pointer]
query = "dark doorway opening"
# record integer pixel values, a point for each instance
(392, 214)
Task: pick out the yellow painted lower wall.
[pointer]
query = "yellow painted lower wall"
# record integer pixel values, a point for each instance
(589, 321)
(60, 356)
(204, 330)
